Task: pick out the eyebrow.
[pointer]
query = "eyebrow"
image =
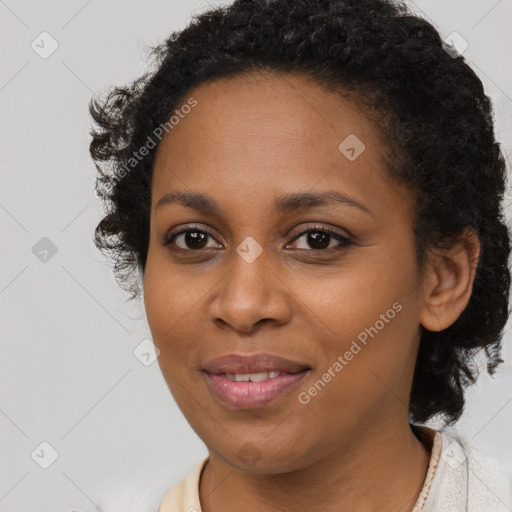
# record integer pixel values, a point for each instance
(284, 204)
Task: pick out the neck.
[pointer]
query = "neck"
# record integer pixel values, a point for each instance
(380, 469)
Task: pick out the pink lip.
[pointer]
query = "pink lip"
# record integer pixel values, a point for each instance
(250, 395)
(253, 363)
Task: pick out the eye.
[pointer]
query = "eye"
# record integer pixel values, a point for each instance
(318, 238)
(323, 239)
(191, 239)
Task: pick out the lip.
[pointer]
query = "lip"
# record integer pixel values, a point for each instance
(253, 363)
(251, 395)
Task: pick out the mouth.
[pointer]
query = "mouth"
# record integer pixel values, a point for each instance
(248, 382)
(253, 377)
(253, 364)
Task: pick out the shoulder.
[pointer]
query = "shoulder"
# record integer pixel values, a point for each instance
(468, 479)
(183, 496)
(173, 498)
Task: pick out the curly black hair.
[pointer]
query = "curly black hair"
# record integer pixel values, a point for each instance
(433, 115)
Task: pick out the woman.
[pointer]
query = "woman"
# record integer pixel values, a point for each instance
(308, 194)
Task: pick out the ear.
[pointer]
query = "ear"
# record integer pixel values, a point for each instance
(449, 282)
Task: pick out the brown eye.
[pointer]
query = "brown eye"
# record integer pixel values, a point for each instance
(318, 240)
(322, 239)
(189, 240)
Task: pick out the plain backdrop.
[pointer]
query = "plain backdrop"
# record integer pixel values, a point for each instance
(74, 395)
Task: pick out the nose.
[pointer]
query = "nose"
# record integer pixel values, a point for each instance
(249, 295)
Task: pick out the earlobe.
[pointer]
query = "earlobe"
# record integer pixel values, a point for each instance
(449, 282)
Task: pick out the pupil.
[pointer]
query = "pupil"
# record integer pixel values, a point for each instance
(318, 240)
(195, 237)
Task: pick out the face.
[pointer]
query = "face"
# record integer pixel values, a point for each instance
(330, 283)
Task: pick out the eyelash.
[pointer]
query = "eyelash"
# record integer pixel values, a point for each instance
(345, 241)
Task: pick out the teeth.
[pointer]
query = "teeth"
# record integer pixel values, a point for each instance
(253, 377)
(256, 377)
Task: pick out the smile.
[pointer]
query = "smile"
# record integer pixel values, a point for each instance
(252, 390)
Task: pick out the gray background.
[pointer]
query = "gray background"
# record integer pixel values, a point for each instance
(68, 372)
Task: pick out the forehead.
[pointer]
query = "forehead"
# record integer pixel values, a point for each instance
(257, 108)
(260, 134)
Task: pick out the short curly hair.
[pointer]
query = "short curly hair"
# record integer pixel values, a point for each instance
(433, 115)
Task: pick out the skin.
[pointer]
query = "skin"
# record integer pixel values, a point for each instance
(249, 140)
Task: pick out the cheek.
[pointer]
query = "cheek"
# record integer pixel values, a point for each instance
(169, 297)
(169, 310)
(361, 379)
(368, 317)
(166, 307)
(352, 298)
